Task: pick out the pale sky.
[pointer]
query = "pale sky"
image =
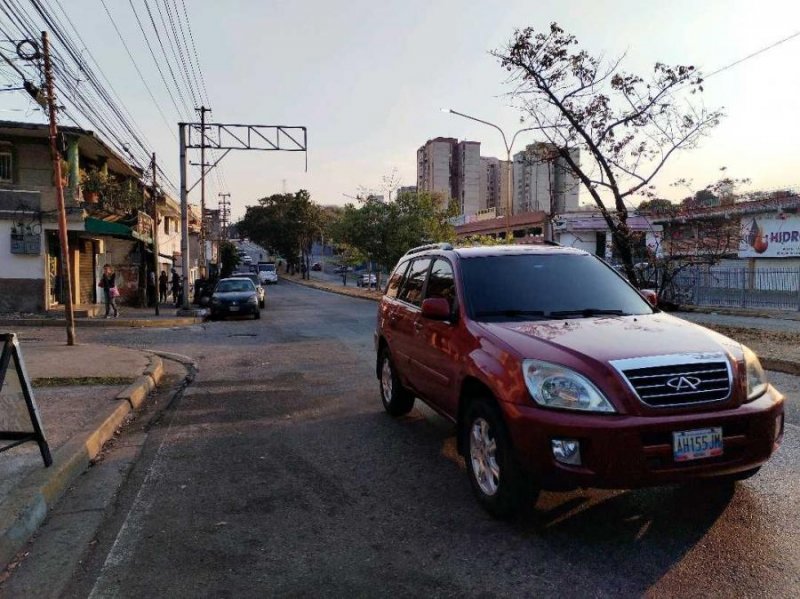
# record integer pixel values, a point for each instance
(368, 79)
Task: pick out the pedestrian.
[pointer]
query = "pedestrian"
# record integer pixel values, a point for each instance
(176, 286)
(151, 287)
(108, 282)
(163, 281)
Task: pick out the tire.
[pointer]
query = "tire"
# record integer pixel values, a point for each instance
(257, 315)
(397, 400)
(262, 303)
(499, 484)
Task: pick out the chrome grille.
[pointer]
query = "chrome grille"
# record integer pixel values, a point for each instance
(689, 379)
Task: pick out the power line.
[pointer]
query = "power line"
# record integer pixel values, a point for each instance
(166, 59)
(753, 55)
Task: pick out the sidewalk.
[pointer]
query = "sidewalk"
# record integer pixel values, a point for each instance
(129, 317)
(84, 393)
(335, 287)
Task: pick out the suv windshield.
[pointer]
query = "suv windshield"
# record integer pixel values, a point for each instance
(233, 286)
(530, 286)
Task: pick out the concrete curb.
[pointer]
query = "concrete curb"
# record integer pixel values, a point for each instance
(28, 504)
(339, 291)
(100, 323)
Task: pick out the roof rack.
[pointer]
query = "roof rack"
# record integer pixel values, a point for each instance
(430, 246)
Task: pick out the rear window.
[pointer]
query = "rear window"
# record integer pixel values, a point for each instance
(546, 286)
(230, 286)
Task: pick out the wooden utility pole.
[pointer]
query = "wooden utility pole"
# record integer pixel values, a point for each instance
(154, 196)
(66, 270)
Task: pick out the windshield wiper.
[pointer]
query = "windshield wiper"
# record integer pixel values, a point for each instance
(587, 313)
(513, 313)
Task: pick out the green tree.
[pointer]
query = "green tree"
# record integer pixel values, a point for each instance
(285, 223)
(228, 257)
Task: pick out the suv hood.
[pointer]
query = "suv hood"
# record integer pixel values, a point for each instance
(612, 338)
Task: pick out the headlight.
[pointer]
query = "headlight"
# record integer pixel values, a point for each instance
(555, 386)
(756, 377)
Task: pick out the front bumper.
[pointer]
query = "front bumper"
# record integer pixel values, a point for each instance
(622, 452)
(241, 309)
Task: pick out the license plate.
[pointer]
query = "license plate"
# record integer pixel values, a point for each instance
(234, 308)
(697, 444)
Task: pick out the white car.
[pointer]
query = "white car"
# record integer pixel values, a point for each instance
(267, 273)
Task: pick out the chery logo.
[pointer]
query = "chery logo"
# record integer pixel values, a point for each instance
(684, 383)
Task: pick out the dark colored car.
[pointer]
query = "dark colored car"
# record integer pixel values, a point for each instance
(233, 297)
(260, 291)
(559, 374)
(316, 266)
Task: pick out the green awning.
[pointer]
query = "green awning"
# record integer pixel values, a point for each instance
(105, 227)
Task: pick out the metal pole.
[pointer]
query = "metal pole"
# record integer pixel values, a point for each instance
(62, 213)
(203, 261)
(509, 198)
(154, 196)
(184, 216)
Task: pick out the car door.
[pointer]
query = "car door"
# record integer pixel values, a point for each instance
(404, 323)
(389, 306)
(434, 354)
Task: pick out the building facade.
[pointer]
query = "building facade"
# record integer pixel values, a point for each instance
(434, 166)
(467, 176)
(543, 181)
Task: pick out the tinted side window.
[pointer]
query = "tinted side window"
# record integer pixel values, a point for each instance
(415, 281)
(441, 282)
(396, 280)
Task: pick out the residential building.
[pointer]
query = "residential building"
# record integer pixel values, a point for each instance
(588, 230)
(543, 180)
(111, 229)
(434, 166)
(494, 183)
(466, 176)
(406, 189)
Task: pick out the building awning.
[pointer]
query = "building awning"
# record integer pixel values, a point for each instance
(105, 227)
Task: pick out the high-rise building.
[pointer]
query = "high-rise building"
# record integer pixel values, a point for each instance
(405, 189)
(467, 177)
(434, 166)
(494, 183)
(543, 181)
(452, 169)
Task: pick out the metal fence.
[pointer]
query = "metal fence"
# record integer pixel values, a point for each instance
(770, 288)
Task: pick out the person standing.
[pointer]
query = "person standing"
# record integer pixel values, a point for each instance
(108, 282)
(163, 281)
(176, 286)
(151, 288)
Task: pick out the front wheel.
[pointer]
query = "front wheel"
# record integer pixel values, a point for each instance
(397, 400)
(497, 481)
(257, 315)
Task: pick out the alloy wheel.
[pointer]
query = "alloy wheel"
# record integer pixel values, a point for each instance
(483, 456)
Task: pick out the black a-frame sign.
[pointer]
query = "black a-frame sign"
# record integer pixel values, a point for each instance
(15, 387)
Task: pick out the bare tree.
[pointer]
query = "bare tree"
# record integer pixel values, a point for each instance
(626, 126)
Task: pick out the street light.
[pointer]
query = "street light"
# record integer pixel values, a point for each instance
(508, 146)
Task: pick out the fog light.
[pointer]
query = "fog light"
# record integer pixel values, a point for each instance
(567, 451)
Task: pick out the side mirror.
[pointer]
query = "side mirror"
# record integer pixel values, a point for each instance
(436, 308)
(651, 296)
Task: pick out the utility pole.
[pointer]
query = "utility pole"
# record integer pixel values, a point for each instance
(62, 213)
(154, 196)
(184, 217)
(203, 262)
(224, 214)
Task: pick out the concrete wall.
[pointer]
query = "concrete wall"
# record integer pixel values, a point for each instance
(21, 295)
(34, 166)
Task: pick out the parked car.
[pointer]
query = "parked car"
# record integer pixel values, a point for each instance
(560, 374)
(233, 296)
(262, 294)
(367, 280)
(316, 266)
(247, 259)
(267, 272)
(342, 269)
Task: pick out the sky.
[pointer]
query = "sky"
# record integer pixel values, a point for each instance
(369, 78)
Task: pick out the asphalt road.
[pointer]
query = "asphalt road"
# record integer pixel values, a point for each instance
(278, 473)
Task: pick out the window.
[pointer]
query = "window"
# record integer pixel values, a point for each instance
(396, 280)
(6, 173)
(441, 282)
(415, 281)
(166, 225)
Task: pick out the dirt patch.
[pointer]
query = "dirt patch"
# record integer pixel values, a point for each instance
(775, 346)
(59, 381)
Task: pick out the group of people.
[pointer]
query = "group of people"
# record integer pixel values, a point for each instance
(164, 283)
(108, 283)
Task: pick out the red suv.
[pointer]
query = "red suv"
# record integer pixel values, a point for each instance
(560, 374)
